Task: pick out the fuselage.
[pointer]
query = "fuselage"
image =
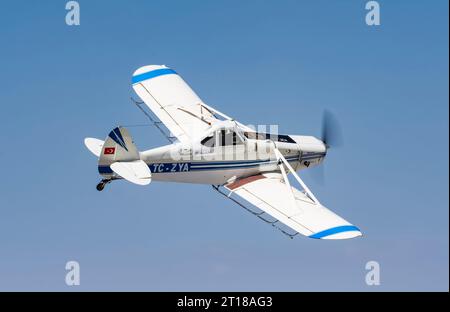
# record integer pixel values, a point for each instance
(220, 163)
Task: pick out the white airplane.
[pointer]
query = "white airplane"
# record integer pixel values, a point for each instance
(248, 167)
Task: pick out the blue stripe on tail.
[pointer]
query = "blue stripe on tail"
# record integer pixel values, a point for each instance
(116, 136)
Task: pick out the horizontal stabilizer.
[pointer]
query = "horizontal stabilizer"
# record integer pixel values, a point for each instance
(94, 145)
(136, 172)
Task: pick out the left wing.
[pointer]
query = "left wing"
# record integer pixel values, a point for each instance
(173, 101)
(295, 209)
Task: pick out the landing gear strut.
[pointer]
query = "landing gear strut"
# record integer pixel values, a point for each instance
(101, 185)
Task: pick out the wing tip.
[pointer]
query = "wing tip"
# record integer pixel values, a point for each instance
(338, 232)
(149, 72)
(147, 68)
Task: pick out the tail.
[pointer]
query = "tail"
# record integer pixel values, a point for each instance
(119, 157)
(118, 146)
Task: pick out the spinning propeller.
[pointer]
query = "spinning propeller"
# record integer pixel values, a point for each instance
(332, 138)
(331, 130)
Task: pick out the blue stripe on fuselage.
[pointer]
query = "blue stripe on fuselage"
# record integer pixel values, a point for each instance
(198, 166)
(247, 162)
(105, 170)
(313, 155)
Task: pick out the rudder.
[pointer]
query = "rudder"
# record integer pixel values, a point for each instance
(118, 146)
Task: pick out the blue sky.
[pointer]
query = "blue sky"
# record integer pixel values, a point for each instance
(263, 62)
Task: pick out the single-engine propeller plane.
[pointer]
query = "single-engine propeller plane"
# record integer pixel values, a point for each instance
(208, 147)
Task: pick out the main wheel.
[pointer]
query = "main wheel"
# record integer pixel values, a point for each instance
(100, 186)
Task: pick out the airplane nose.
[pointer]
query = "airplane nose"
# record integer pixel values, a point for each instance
(309, 144)
(325, 147)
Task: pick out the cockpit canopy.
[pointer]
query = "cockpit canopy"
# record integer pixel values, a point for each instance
(226, 133)
(230, 133)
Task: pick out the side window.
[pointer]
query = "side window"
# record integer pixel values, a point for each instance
(256, 136)
(229, 138)
(209, 141)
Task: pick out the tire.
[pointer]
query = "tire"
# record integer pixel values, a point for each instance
(100, 186)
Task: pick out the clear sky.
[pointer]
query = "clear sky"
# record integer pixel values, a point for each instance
(262, 62)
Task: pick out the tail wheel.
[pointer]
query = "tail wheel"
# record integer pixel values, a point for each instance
(100, 186)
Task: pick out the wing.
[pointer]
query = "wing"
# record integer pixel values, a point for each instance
(269, 193)
(172, 101)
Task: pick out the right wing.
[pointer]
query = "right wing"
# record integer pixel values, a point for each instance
(173, 101)
(269, 193)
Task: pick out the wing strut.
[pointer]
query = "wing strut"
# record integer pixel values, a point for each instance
(216, 112)
(154, 122)
(258, 214)
(282, 160)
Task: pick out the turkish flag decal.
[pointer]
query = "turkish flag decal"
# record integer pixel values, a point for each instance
(109, 150)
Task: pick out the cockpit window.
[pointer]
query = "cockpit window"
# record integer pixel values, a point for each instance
(209, 141)
(228, 137)
(223, 137)
(268, 136)
(255, 136)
